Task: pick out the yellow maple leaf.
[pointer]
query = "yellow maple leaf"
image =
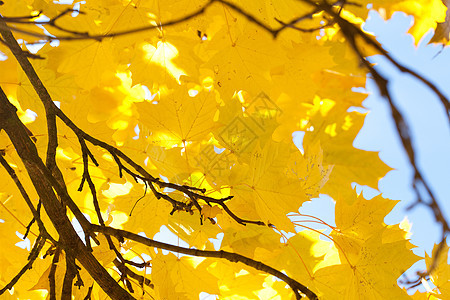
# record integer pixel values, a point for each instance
(370, 262)
(336, 130)
(265, 183)
(301, 255)
(178, 118)
(184, 276)
(427, 13)
(439, 276)
(238, 53)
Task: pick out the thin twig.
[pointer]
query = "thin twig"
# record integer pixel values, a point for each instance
(36, 216)
(34, 253)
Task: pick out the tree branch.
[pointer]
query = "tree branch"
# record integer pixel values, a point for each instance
(52, 273)
(44, 183)
(232, 257)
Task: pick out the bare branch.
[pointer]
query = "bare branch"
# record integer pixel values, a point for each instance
(45, 185)
(232, 257)
(52, 274)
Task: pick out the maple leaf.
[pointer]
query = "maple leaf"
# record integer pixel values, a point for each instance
(236, 63)
(366, 278)
(439, 276)
(426, 13)
(272, 193)
(359, 166)
(442, 32)
(368, 257)
(179, 118)
(185, 276)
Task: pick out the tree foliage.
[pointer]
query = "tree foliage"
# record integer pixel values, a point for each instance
(137, 116)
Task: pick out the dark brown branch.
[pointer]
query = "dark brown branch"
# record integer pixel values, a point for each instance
(232, 257)
(99, 37)
(52, 273)
(128, 272)
(71, 272)
(23, 19)
(89, 293)
(48, 105)
(75, 35)
(28, 228)
(86, 153)
(45, 185)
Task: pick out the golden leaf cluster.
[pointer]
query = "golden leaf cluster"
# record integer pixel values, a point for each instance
(211, 102)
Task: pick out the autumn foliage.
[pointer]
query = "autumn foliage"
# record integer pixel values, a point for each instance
(136, 117)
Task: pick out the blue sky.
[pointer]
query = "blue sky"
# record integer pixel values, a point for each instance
(426, 118)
